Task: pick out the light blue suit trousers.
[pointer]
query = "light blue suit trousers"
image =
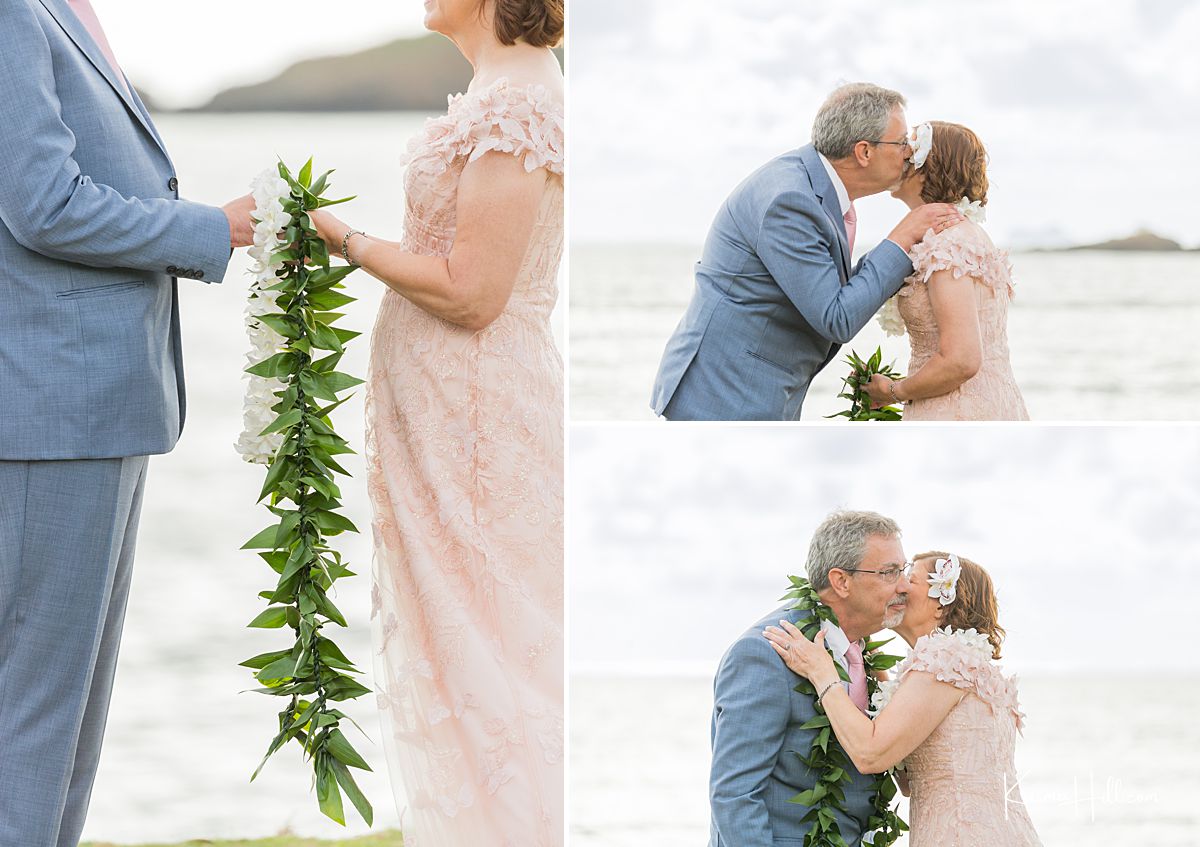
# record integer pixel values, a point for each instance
(93, 237)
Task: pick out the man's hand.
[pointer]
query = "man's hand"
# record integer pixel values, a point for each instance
(241, 228)
(914, 225)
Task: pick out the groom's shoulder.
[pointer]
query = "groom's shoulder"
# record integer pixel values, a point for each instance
(782, 180)
(21, 28)
(752, 644)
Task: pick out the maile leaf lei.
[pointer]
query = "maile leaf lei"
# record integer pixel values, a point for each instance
(313, 673)
(826, 757)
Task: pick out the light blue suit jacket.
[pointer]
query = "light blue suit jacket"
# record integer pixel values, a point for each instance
(92, 237)
(775, 298)
(756, 736)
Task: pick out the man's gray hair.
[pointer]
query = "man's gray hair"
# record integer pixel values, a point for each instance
(858, 111)
(841, 542)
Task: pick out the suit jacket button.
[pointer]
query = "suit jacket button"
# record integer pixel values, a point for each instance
(172, 270)
(173, 184)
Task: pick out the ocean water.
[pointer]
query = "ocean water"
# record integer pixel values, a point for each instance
(1105, 761)
(1094, 335)
(182, 737)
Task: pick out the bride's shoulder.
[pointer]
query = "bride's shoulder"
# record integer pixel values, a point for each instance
(963, 658)
(539, 89)
(522, 115)
(964, 249)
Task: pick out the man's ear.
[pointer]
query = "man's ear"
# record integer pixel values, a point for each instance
(862, 154)
(839, 581)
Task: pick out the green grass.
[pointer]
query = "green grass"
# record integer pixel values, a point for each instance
(391, 838)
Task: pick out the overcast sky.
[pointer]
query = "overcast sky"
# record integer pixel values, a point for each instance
(183, 53)
(680, 537)
(673, 102)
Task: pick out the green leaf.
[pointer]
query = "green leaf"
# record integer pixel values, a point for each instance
(276, 743)
(329, 798)
(284, 421)
(346, 780)
(319, 183)
(263, 659)
(325, 606)
(341, 381)
(815, 723)
(345, 335)
(265, 540)
(811, 796)
(325, 338)
(305, 177)
(272, 618)
(346, 689)
(344, 752)
(883, 661)
(333, 522)
(324, 203)
(323, 278)
(280, 323)
(281, 668)
(279, 365)
(328, 300)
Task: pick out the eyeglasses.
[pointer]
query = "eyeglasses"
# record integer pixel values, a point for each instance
(890, 575)
(905, 143)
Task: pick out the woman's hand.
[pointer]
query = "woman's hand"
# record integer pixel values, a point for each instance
(879, 390)
(810, 659)
(330, 229)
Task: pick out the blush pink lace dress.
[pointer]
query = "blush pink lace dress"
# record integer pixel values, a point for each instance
(962, 780)
(992, 394)
(465, 462)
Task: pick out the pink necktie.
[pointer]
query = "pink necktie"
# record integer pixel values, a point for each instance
(87, 16)
(858, 676)
(851, 219)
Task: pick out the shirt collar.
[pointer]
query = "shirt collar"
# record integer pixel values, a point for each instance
(837, 642)
(838, 186)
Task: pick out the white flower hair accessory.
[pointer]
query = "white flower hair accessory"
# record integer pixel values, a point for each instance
(943, 582)
(922, 143)
(972, 210)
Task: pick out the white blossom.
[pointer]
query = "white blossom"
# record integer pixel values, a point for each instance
(972, 210)
(889, 317)
(269, 191)
(922, 143)
(943, 582)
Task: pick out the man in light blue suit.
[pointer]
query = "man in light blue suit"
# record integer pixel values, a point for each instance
(92, 238)
(856, 564)
(775, 293)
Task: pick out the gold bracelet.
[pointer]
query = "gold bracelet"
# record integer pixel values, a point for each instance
(892, 391)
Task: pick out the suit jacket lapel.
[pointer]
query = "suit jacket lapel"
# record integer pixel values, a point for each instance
(827, 194)
(78, 33)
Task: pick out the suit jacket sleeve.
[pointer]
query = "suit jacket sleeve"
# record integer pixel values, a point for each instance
(793, 247)
(54, 209)
(751, 714)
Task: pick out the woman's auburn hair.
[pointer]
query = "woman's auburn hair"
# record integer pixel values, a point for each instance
(974, 605)
(956, 166)
(536, 22)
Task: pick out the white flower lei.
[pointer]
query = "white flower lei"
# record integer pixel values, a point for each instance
(269, 191)
(889, 317)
